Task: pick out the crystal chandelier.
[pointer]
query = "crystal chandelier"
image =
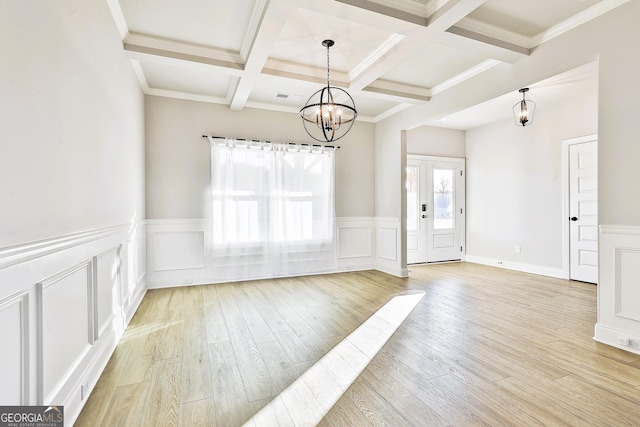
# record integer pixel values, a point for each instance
(330, 112)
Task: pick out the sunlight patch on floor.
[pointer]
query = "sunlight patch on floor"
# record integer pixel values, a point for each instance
(307, 400)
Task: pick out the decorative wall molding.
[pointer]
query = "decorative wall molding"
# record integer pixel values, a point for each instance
(389, 247)
(618, 292)
(106, 289)
(65, 327)
(16, 254)
(177, 249)
(176, 252)
(14, 336)
(355, 243)
(63, 310)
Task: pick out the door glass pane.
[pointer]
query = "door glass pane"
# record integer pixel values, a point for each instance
(413, 197)
(443, 206)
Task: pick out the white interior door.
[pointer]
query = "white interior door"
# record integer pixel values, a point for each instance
(435, 209)
(583, 212)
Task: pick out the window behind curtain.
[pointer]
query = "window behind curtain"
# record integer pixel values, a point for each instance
(272, 209)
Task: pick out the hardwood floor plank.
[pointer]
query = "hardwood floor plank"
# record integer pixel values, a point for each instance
(588, 344)
(195, 378)
(168, 336)
(373, 406)
(199, 413)
(215, 324)
(126, 406)
(255, 376)
(231, 405)
(259, 329)
(464, 397)
(278, 364)
(600, 403)
(344, 414)
(162, 403)
(424, 391)
(406, 403)
(548, 402)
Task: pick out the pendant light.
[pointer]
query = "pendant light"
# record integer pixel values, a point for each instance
(524, 110)
(330, 112)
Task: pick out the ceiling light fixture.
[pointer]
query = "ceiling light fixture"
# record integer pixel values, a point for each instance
(523, 111)
(330, 112)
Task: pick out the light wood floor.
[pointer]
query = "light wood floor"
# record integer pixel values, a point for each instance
(485, 346)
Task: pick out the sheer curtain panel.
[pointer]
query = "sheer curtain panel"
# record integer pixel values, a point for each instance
(272, 209)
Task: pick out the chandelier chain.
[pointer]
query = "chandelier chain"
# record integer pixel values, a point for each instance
(328, 65)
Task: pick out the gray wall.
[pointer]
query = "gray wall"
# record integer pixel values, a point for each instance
(71, 120)
(433, 141)
(178, 164)
(514, 183)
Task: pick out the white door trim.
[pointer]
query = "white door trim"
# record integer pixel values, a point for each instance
(566, 270)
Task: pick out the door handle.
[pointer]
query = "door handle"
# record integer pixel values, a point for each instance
(574, 218)
(424, 216)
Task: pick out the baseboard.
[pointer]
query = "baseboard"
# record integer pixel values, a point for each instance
(509, 265)
(611, 336)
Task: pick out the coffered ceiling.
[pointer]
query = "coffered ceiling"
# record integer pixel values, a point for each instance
(388, 54)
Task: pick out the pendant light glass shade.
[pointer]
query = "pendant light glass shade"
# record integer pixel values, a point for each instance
(524, 110)
(330, 112)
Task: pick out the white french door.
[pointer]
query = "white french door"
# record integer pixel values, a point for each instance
(435, 209)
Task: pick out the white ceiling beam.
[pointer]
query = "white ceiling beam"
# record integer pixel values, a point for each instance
(397, 92)
(163, 51)
(274, 16)
(445, 17)
(387, 11)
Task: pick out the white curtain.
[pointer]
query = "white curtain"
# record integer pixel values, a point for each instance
(272, 209)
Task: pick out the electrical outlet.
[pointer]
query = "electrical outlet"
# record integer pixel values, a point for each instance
(84, 391)
(517, 249)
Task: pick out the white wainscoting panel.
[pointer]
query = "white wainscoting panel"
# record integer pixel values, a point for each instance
(619, 288)
(182, 250)
(388, 247)
(64, 327)
(356, 243)
(177, 249)
(14, 357)
(176, 252)
(106, 290)
(54, 293)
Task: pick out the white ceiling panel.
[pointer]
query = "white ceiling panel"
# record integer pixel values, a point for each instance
(426, 69)
(300, 41)
(529, 17)
(221, 24)
(186, 80)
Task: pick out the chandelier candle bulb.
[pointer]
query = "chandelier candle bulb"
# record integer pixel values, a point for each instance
(523, 111)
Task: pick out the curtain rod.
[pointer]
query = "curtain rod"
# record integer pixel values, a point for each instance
(255, 140)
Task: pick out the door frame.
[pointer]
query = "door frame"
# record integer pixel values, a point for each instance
(566, 247)
(462, 197)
